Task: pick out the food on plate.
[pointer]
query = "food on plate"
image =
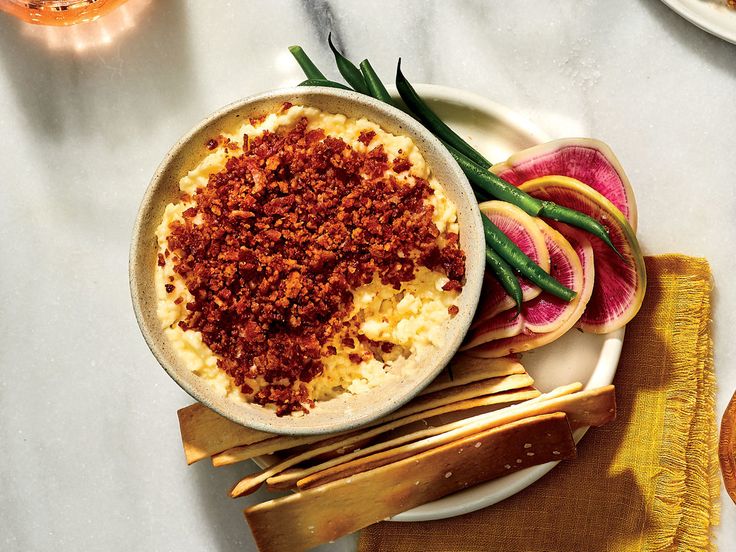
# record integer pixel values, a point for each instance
(584, 159)
(492, 387)
(528, 340)
(455, 450)
(205, 433)
(486, 183)
(350, 72)
(308, 518)
(577, 262)
(309, 255)
(620, 280)
(587, 159)
(544, 317)
(523, 230)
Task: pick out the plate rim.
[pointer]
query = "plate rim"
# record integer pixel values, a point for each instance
(685, 9)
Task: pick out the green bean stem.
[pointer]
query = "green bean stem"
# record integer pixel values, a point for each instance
(324, 82)
(505, 277)
(309, 68)
(375, 86)
(430, 119)
(511, 253)
(349, 71)
(495, 186)
(579, 220)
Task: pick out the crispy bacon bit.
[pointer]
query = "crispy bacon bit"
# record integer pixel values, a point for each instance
(161, 260)
(286, 106)
(178, 300)
(288, 229)
(169, 288)
(453, 310)
(366, 137)
(452, 285)
(211, 144)
(401, 164)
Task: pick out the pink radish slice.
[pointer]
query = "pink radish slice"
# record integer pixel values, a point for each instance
(584, 249)
(504, 324)
(524, 232)
(590, 161)
(620, 282)
(545, 313)
(528, 340)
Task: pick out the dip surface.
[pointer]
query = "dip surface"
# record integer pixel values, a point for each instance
(309, 255)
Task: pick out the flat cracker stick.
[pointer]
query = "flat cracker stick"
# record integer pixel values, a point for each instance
(531, 396)
(204, 432)
(467, 369)
(594, 408)
(420, 404)
(306, 519)
(253, 481)
(289, 477)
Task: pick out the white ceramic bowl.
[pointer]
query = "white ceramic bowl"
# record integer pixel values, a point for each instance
(346, 411)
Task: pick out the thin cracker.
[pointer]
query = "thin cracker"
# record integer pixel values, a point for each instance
(289, 477)
(306, 519)
(204, 432)
(465, 369)
(420, 404)
(252, 482)
(583, 408)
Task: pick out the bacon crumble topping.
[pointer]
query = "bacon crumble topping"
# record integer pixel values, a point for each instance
(276, 242)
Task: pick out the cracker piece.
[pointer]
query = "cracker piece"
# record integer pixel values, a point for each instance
(290, 477)
(466, 369)
(306, 519)
(584, 408)
(420, 404)
(204, 433)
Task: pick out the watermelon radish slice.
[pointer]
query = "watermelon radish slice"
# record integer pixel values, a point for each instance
(524, 232)
(528, 339)
(545, 313)
(504, 324)
(619, 283)
(590, 161)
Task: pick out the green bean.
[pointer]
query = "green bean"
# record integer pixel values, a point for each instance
(495, 186)
(505, 276)
(375, 86)
(324, 82)
(579, 220)
(430, 119)
(511, 253)
(349, 71)
(486, 181)
(309, 68)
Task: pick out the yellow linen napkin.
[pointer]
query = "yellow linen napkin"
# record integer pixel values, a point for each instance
(649, 480)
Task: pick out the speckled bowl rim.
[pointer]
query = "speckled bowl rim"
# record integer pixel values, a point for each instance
(163, 188)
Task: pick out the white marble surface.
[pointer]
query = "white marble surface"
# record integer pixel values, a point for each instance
(91, 458)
